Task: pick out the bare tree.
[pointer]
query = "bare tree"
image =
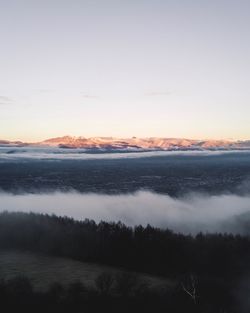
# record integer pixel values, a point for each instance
(189, 286)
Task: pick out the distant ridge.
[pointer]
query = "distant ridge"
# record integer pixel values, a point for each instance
(134, 144)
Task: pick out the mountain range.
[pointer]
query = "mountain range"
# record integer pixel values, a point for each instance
(133, 144)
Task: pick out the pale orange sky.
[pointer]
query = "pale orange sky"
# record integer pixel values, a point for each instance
(125, 68)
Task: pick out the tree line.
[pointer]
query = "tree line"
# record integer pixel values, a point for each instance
(208, 268)
(143, 249)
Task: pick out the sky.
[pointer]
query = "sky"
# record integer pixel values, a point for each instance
(123, 68)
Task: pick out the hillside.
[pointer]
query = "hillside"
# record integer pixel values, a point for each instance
(44, 270)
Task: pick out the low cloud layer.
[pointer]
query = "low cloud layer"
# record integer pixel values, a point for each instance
(12, 153)
(189, 214)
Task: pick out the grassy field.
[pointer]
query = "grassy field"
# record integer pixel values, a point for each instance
(43, 270)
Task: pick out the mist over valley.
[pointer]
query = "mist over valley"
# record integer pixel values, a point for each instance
(187, 192)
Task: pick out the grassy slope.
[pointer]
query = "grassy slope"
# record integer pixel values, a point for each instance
(44, 270)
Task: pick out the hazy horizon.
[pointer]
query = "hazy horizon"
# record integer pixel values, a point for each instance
(114, 137)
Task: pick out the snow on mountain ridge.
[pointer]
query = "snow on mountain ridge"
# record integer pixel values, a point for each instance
(134, 143)
(150, 143)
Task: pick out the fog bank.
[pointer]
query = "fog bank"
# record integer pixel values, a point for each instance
(8, 154)
(191, 213)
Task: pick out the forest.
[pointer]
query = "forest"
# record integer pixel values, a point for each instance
(210, 271)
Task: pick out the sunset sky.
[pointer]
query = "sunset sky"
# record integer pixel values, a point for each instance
(166, 68)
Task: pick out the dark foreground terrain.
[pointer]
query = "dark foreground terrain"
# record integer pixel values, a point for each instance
(44, 270)
(208, 273)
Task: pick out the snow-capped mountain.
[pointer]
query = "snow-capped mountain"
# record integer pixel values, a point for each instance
(134, 144)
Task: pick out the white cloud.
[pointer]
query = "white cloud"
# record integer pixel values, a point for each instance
(192, 213)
